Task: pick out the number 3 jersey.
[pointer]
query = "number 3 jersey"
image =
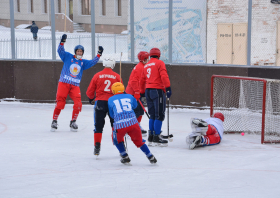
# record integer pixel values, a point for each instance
(101, 84)
(121, 110)
(154, 76)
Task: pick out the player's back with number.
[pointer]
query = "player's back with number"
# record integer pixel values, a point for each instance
(155, 75)
(121, 110)
(101, 84)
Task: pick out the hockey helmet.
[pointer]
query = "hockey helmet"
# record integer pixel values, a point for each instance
(142, 56)
(219, 115)
(117, 88)
(79, 47)
(155, 52)
(109, 62)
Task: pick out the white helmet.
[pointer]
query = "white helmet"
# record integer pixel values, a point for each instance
(109, 62)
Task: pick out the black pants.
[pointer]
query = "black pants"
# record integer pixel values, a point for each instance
(100, 112)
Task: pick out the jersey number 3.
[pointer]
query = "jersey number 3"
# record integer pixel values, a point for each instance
(107, 83)
(125, 104)
(149, 72)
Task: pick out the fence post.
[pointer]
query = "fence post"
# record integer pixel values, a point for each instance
(39, 47)
(92, 17)
(132, 29)
(12, 25)
(53, 30)
(115, 43)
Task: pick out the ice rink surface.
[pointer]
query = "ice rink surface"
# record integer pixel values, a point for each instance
(37, 163)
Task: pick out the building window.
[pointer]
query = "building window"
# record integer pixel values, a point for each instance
(102, 7)
(59, 6)
(119, 7)
(30, 6)
(44, 6)
(18, 5)
(86, 7)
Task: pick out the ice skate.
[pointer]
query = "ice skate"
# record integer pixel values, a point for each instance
(54, 126)
(150, 138)
(73, 126)
(158, 141)
(125, 159)
(96, 151)
(196, 142)
(144, 132)
(152, 159)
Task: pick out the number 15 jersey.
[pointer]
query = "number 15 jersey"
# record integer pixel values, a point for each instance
(121, 110)
(101, 84)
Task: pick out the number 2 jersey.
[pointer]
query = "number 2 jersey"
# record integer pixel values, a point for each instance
(121, 110)
(73, 68)
(154, 76)
(101, 84)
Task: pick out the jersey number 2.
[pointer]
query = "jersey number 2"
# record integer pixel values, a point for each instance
(125, 103)
(108, 82)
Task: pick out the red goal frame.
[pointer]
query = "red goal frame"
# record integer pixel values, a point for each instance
(243, 78)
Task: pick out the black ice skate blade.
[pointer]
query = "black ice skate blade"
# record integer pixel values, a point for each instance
(167, 136)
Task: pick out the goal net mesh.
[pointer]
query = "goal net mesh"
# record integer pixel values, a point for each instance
(241, 102)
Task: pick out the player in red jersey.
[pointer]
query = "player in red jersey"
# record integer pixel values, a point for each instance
(156, 81)
(69, 81)
(98, 92)
(133, 86)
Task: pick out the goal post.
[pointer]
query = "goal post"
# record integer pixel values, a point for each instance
(250, 105)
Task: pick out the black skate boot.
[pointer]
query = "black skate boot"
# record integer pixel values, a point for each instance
(150, 138)
(158, 141)
(54, 126)
(73, 126)
(125, 159)
(196, 142)
(152, 159)
(97, 149)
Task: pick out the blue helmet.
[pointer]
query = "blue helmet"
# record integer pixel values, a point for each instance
(79, 47)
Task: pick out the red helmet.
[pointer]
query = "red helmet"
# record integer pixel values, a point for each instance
(219, 115)
(155, 52)
(143, 55)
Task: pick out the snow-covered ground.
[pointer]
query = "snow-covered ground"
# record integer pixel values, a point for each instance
(27, 48)
(38, 163)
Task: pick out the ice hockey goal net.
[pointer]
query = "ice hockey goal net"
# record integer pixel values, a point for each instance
(250, 105)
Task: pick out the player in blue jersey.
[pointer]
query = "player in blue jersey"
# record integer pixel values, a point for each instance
(69, 81)
(125, 122)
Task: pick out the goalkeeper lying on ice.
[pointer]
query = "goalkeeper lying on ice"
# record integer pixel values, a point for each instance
(206, 132)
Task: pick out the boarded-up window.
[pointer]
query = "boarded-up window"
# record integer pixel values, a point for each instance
(86, 5)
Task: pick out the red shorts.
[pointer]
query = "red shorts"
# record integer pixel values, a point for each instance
(134, 132)
(65, 89)
(212, 136)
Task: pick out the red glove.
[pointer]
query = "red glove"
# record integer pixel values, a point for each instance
(137, 95)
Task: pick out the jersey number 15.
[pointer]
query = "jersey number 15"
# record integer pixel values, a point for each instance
(125, 104)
